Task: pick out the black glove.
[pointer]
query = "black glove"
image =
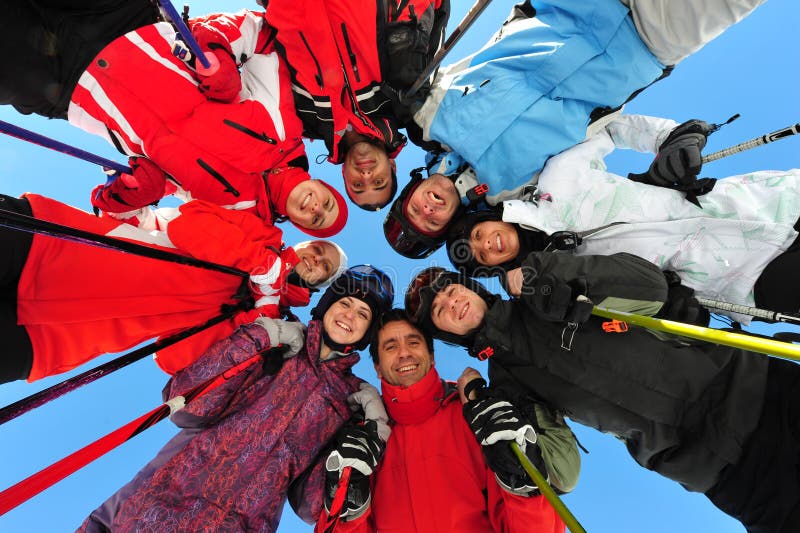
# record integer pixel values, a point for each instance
(681, 305)
(555, 300)
(496, 423)
(679, 158)
(359, 447)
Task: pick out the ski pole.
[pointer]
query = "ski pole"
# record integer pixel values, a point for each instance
(752, 143)
(726, 338)
(20, 407)
(334, 515)
(49, 476)
(563, 512)
(184, 33)
(17, 221)
(756, 312)
(41, 140)
(451, 41)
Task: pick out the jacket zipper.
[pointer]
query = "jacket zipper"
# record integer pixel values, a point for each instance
(219, 177)
(318, 77)
(350, 53)
(247, 131)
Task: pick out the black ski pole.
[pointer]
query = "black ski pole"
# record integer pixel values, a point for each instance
(19, 222)
(752, 143)
(49, 394)
(451, 41)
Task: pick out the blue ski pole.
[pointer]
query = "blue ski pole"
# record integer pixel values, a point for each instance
(171, 14)
(41, 140)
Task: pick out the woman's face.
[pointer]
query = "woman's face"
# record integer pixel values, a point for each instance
(457, 309)
(493, 242)
(312, 205)
(347, 320)
(319, 260)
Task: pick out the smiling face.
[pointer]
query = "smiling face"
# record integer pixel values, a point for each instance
(347, 320)
(493, 242)
(458, 310)
(312, 205)
(319, 260)
(431, 206)
(367, 172)
(403, 354)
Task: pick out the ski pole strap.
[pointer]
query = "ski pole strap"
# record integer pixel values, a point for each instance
(41, 140)
(49, 394)
(471, 16)
(558, 505)
(726, 338)
(756, 312)
(752, 143)
(49, 476)
(19, 222)
(184, 33)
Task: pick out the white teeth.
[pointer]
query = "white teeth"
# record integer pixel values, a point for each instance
(463, 311)
(305, 202)
(408, 368)
(343, 326)
(497, 245)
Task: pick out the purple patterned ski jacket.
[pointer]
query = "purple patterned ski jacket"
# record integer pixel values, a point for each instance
(242, 446)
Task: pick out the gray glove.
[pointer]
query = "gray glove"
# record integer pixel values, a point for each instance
(291, 334)
(368, 399)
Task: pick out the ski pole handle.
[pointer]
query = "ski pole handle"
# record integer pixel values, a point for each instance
(47, 142)
(185, 34)
(766, 314)
(752, 143)
(561, 509)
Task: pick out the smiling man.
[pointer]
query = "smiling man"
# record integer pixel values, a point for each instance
(433, 454)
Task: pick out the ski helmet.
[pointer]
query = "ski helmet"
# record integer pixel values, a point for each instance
(368, 284)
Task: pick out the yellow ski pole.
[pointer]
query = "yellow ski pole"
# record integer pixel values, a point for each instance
(549, 494)
(736, 340)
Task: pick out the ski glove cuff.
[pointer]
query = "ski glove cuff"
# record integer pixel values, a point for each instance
(144, 186)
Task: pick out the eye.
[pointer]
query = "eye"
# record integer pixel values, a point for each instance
(363, 315)
(379, 182)
(451, 290)
(358, 186)
(327, 267)
(482, 258)
(328, 204)
(316, 220)
(344, 303)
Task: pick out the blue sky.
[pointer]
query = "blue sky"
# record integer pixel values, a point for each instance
(752, 69)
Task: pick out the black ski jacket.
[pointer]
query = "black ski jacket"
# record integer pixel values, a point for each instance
(683, 411)
(47, 45)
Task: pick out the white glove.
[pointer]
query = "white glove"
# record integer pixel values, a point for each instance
(291, 334)
(369, 400)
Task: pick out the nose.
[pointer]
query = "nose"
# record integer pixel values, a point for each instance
(427, 209)
(487, 244)
(366, 173)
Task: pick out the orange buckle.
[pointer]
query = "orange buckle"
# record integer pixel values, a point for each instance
(486, 353)
(615, 326)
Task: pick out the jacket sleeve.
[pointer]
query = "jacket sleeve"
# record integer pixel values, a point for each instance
(244, 31)
(207, 409)
(640, 132)
(512, 513)
(622, 281)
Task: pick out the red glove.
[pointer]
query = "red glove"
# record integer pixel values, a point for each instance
(145, 185)
(221, 81)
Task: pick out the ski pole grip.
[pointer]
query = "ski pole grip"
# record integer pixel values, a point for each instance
(213, 65)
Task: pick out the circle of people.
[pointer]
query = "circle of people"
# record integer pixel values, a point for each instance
(560, 231)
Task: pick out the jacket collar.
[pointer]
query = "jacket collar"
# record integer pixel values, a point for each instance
(414, 404)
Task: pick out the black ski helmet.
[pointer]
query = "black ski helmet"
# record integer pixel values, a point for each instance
(401, 234)
(424, 288)
(366, 283)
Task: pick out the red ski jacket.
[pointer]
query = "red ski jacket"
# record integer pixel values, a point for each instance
(144, 100)
(78, 301)
(333, 48)
(433, 476)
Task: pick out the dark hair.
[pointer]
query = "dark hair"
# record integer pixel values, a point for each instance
(395, 315)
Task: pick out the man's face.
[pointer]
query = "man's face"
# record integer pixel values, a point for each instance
(318, 261)
(403, 355)
(493, 242)
(347, 320)
(367, 172)
(432, 204)
(312, 205)
(456, 309)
